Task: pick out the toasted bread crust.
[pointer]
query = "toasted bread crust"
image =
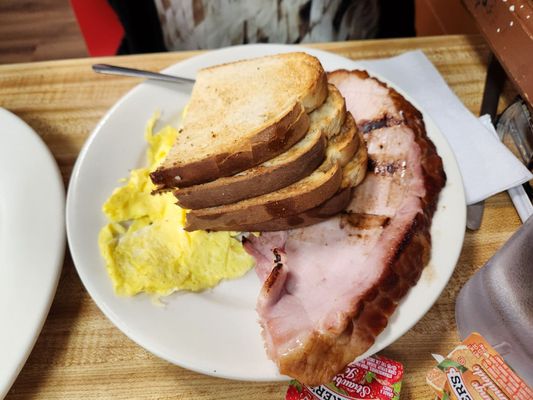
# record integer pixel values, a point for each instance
(270, 142)
(355, 170)
(334, 117)
(317, 92)
(298, 197)
(334, 205)
(343, 146)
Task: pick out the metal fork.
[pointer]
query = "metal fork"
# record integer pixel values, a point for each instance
(139, 73)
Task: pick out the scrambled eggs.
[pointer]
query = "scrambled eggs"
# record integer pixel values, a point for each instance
(145, 246)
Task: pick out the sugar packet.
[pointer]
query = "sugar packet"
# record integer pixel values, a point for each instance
(475, 371)
(375, 377)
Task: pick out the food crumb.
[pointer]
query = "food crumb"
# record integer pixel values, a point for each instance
(429, 273)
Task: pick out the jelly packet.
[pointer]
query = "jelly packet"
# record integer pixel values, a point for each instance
(374, 377)
(475, 371)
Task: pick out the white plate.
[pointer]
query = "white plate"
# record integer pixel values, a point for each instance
(32, 241)
(216, 332)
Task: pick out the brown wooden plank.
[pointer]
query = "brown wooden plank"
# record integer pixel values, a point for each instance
(39, 30)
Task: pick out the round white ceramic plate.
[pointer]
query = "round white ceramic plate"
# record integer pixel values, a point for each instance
(216, 332)
(32, 241)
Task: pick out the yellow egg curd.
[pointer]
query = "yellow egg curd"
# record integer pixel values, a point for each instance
(145, 246)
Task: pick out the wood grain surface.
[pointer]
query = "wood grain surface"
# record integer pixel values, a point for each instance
(81, 355)
(37, 30)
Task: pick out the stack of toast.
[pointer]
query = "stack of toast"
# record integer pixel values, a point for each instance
(266, 144)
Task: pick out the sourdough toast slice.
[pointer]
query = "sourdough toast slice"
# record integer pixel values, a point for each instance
(283, 170)
(302, 195)
(239, 116)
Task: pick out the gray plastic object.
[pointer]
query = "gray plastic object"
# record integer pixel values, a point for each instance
(497, 302)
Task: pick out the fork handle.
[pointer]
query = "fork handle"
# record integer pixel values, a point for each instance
(138, 73)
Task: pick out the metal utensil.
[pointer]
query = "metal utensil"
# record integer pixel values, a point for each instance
(474, 215)
(138, 73)
(489, 105)
(516, 122)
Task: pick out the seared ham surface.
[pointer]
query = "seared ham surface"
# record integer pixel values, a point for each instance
(329, 289)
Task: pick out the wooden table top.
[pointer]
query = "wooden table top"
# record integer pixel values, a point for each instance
(81, 354)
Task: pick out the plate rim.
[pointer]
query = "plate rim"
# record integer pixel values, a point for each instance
(52, 262)
(110, 314)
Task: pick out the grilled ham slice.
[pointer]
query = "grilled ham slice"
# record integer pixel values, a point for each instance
(372, 104)
(329, 289)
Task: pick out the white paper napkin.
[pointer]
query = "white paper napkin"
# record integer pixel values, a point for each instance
(487, 166)
(518, 195)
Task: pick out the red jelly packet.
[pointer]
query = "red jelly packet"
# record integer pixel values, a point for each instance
(475, 371)
(374, 377)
